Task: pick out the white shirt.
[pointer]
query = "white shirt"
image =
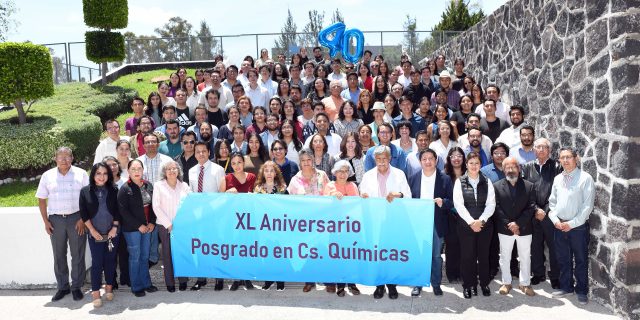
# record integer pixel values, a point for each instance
(213, 176)
(270, 85)
(414, 146)
(258, 96)
(225, 97)
(485, 143)
(340, 77)
(404, 81)
(510, 136)
(166, 200)
(442, 151)
(292, 153)
(502, 111)
(192, 102)
(396, 182)
(62, 191)
(458, 200)
(427, 186)
(153, 166)
(107, 147)
(333, 143)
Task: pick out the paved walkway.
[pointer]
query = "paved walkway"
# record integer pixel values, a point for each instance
(294, 304)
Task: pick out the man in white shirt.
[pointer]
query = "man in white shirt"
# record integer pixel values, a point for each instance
(271, 134)
(225, 93)
(308, 72)
(337, 74)
(257, 94)
(502, 109)
(322, 127)
(266, 82)
(244, 72)
(58, 200)
(405, 79)
(511, 135)
(473, 121)
(107, 147)
(231, 77)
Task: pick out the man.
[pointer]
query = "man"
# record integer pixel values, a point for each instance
(366, 58)
(225, 96)
(317, 56)
(458, 73)
(271, 134)
(266, 82)
(182, 109)
(137, 141)
(295, 78)
(374, 67)
(307, 113)
(430, 183)
(168, 113)
(244, 71)
(511, 135)
(336, 73)
(405, 78)
(398, 158)
(308, 73)
(413, 164)
(232, 78)
(333, 102)
(493, 171)
(384, 181)
(172, 146)
(58, 197)
(416, 90)
(502, 109)
(473, 121)
(332, 138)
(417, 123)
(570, 204)
(208, 135)
(201, 116)
(257, 94)
(107, 147)
(515, 207)
(440, 67)
(475, 135)
(295, 95)
(237, 91)
(396, 90)
(429, 80)
(310, 126)
(214, 114)
(352, 92)
(491, 125)
(524, 152)
(453, 96)
(187, 159)
(541, 173)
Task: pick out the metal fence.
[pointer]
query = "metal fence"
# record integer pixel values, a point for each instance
(71, 64)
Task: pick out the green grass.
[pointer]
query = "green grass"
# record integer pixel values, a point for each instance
(18, 194)
(145, 87)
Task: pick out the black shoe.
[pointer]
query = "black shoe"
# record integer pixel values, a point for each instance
(182, 286)
(379, 293)
(393, 293)
(555, 284)
(219, 285)
(535, 280)
(474, 290)
(485, 291)
(77, 294)
(198, 285)
(437, 290)
(340, 292)
(248, 285)
(171, 289)
(466, 292)
(280, 286)
(151, 289)
(416, 291)
(115, 285)
(60, 294)
(267, 285)
(139, 293)
(234, 286)
(125, 283)
(151, 264)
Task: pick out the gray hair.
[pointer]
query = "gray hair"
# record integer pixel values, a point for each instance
(64, 149)
(341, 164)
(165, 166)
(308, 153)
(542, 141)
(512, 159)
(380, 150)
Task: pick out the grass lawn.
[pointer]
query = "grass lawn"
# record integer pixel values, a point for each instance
(145, 87)
(18, 194)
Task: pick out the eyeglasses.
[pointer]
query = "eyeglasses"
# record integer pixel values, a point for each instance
(173, 170)
(185, 142)
(277, 149)
(499, 154)
(64, 158)
(455, 156)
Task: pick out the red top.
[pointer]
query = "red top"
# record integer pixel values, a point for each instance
(247, 186)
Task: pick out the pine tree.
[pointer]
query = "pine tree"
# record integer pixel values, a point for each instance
(312, 28)
(458, 18)
(337, 17)
(289, 35)
(411, 39)
(206, 44)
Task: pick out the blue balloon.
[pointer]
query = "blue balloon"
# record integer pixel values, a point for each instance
(335, 44)
(359, 48)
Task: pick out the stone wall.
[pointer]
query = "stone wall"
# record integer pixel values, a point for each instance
(574, 65)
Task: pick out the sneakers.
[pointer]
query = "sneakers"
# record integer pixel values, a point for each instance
(97, 303)
(505, 289)
(528, 290)
(561, 294)
(108, 296)
(582, 299)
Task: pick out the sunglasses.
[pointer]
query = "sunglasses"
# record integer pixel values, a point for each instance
(189, 142)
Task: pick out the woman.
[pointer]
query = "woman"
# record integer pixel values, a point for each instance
(199, 76)
(114, 166)
(279, 154)
(323, 160)
(343, 171)
(169, 191)
(440, 114)
(380, 88)
(290, 137)
(303, 55)
(290, 113)
(391, 108)
(454, 168)
(364, 106)
(174, 84)
(348, 120)
(163, 91)
(221, 152)
(246, 111)
(384, 69)
(310, 181)
(478, 95)
(239, 144)
(467, 85)
(405, 142)
(259, 124)
(283, 89)
(138, 221)
(250, 60)
(271, 181)
(447, 139)
(182, 74)
(378, 119)
(296, 59)
(474, 200)
(256, 154)
(279, 72)
(264, 56)
(226, 131)
(319, 91)
(365, 78)
(364, 138)
(351, 151)
(459, 118)
(154, 108)
(123, 154)
(275, 106)
(192, 94)
(424, 110)
(99, 212)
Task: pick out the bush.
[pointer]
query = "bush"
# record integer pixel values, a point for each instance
(103, 14)
(113, 102)
(26, 72)
(103, 46)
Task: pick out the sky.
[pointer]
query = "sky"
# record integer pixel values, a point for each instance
(55, 21)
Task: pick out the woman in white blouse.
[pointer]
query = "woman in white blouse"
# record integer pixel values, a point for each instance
(447, 138)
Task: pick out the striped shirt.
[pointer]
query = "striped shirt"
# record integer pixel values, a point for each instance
(62, 191)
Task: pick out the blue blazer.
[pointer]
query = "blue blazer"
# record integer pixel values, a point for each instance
(444, 190)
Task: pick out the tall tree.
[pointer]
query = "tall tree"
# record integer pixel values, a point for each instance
(312, 28)
(59, 68)
(206, 44)
(337, 16)
(289, 35)
(177, 45)
(411, 39)
(7, 21)
(458, 17)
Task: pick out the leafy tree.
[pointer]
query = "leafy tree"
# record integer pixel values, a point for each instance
(458, 17)
(289, 35)
(411, 39)
(312, 28)
(7, 22)
(206, 44)
(337, 17)
(176, 46)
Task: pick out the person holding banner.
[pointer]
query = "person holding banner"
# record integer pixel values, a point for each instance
(430, 183)
(168, 192)
(475, 201)
(271, 181)
(384, 181)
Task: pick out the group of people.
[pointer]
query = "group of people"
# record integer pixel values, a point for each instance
(307, 128)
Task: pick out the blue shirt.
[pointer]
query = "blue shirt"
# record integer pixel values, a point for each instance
(522, 155)
(398, 158)
(417, 123)
(484, 160)
(170, 149)
(492, 173)
(572, 202)
(349, 95)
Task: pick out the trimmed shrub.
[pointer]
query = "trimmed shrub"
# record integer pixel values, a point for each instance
(103, 46)
(103, 14)
(26, 72)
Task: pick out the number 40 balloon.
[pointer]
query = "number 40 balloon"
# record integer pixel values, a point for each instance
(340, 41)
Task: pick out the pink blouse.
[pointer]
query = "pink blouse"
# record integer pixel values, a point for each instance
(318, 185)
(166, 201)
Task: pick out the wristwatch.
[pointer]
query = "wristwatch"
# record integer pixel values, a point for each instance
(483, 222)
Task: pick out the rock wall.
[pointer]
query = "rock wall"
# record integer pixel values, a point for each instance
(574, 65)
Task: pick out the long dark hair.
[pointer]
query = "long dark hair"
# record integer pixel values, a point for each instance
(262, 150)
(149, 110)
(94, 170)
(448, 167)
(379, 96)
(294, 136)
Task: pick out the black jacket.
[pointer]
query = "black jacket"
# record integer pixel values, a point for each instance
(131, 208)
(542, 180)
(443, 189)
(89, 203)
(519, 210)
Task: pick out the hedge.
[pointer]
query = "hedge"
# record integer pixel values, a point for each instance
(26, 72)
(103, 46)
(103, 14)
(72, 117)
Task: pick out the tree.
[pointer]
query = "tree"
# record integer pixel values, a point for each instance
(7, 22)
(312, 28)
(337, 17)
(206, 44)
(289, 35)
(177, 45)
(411, 39)
(59, 68)
(457, 17)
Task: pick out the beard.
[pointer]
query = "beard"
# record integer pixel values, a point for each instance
(205, 136)
(512, 177)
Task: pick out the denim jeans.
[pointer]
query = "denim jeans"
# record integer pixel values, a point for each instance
(154, 255)
(436, 260)
(138, 245)
(102, 260)
(573, 246)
